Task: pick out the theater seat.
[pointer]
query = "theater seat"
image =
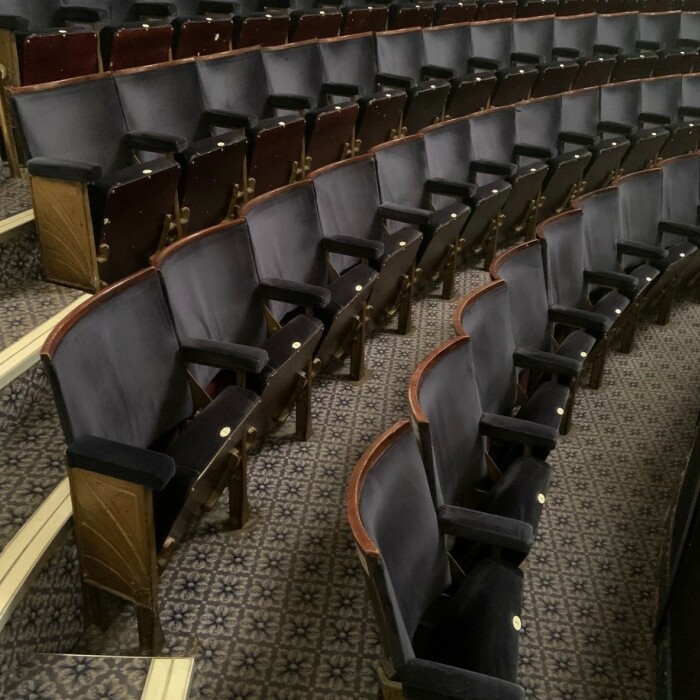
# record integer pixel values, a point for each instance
(143, 461)
(473, 643)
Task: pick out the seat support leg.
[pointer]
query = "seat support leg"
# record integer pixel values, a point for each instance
(150, 631)
(303, 407)
(598, 367)
(238, 505)
(357, 351)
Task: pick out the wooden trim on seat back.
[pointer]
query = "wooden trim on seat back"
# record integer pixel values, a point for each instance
(589, 195)
(340, 164)
(272, 194)
(467, 301)
(493, 268)
(569, 213)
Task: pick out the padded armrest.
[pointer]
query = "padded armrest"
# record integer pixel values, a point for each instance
(688, 230)
(429, 679)
(477, 526)
(492, 167)
(450, 188)
(687, 43)
(295, 102)
(654, 118)
(684, 111)
(646, 45)
(157, 143)
(14, 23)
(156, 9)
(397, 81)
(298, 293)
(407, 215)
(78, 13)
(222, 7)
(60, 169)
(642, 250)
(547, 362)
(626, 284)
(341, 89)
(610, 127)
(350, 245)
(590, 321)
(518, 431)
(529, 151)
(214, 353)
(607, 49)
(524, 57)
(483, 63)
(576, 137)
(126, 462)
(432, 71)
(230, 120)
(565, 52)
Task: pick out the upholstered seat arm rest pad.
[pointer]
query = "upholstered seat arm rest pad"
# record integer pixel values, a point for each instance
(221, 6)
(529, 151)
(483, 63)
(298, 293)
(492, 167)
(439, 185)
(692, 232)
(407, 215)
(284, 101)
(60, 169)
(156, 9)
(642, 250)
(687, 43)
(565, 52)
(607, 49)
(626, 284)
(685, 111)
(646, 45)
(14, 23)
(428, 680)
(654, 118)
(518, 431)
(79, 13)
(524, 57)
(577, 138)
(547, 362)
(341, 89)
(134, 464)
(215, 353)
(397, 81)
(230, 120)
(155, 142)
(596, 324)
(432, 71)
(610, 127)
(350, 245)
(487, 528)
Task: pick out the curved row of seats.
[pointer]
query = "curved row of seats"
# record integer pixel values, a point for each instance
(445, 507)
(222, 135)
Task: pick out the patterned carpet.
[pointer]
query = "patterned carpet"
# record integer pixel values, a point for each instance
(280, 610)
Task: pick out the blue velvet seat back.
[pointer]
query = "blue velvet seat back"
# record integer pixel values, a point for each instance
(621, 102)
(82, 121)
(400, 53)
(350, 60)
(487, 322)
(235, 82)
(681, 189)
(575, 32)
(600, 228)
(492, 40)
(449, 397)
(534, 35)
(580, 111)
(402, 169)
(538, 122)
(295, 69)
(523, 270)
(285, 236)
(347, 199)
(640, 208)
(620, 29)
(116, 372)
(448, 45)
(398, 514)
(493, 135)
(663, 27)
(565, 259)
(211, 283)
(165, 99)
(662, 96)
